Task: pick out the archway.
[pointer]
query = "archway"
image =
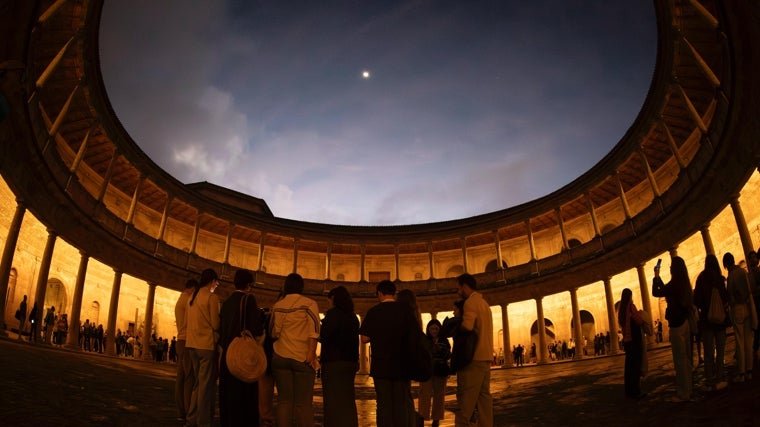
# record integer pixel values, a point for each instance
(493, 265)
(548, 330)
(454, 271)
(588, 329)
(56, 296)
(92, 312)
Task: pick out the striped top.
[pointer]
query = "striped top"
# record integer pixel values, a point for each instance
(295, 320)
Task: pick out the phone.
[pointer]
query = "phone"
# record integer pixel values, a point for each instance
(659, 263)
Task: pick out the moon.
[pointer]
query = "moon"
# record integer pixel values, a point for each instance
(366, 74)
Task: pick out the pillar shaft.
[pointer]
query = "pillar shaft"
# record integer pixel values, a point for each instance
(42, 279)
(6, 262)
(741, 225)
(72, 339)
(543, 352)
(577, 331)
(707, 240)
(611, 316)
(113, 309)
(508, 359)
(146, 355)
(646, 304)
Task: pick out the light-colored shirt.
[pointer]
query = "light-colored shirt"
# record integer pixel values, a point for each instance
(295, 321)
(180, 311)
(477, 317)
(203, 320)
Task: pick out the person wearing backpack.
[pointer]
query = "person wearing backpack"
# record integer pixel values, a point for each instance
(711, 298)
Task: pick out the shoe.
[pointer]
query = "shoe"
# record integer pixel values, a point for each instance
(721, 385)
(435, 423)
(679, 399)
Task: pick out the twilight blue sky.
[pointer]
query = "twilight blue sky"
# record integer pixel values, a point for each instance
(471, 106)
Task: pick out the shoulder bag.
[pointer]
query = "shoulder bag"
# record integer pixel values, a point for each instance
(245, 358)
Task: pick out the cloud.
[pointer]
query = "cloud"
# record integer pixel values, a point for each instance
(471, 108)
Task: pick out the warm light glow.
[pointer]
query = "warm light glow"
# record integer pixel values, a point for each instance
(365, 74)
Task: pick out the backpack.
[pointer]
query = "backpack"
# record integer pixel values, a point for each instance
(418, 349)
(716, 313)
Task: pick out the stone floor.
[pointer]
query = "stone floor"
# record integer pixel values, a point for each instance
(46, 386)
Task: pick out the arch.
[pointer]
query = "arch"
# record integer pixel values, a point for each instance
(92, 312)
(56, 296)
(10, 293)
(606, 228)
(493, 265)
(588, 327)
(573, 243)
(454, 271)
(548, 327)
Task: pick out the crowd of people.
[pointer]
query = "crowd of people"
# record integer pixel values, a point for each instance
(290, 331)
(54, 327)
(697, 316)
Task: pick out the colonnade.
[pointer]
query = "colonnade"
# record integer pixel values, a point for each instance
(11, 242)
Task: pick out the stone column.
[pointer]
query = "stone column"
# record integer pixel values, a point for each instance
(543, 352)
(42, 279)
(577, 332)
(113, 309)
(363, 358)
(72, 340)
(148, 323)
(508, 359)
(7, 259)
(705, 231)
(646, 305)
(611, 316)
(741, 225)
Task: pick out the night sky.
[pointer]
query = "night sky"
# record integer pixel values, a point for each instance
(378, 112)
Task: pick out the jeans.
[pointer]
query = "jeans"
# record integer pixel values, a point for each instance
(743, 335)
(203, 399)
(295, 388)
(434, 388)
(183, 386)
(714, 340)
(680, 345)
(474, 391)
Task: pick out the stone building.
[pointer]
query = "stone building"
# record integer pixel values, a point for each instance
(90, 224)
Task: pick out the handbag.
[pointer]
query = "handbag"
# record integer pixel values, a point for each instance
(716, 313)
(245, 357)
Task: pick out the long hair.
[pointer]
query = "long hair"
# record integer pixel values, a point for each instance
(341, 298)
(679, 278)
(625, 301)
(406, 296)
(432, 322)
(207, 276)
(712, 272)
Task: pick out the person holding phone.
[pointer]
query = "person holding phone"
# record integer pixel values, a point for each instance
(678, 295)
